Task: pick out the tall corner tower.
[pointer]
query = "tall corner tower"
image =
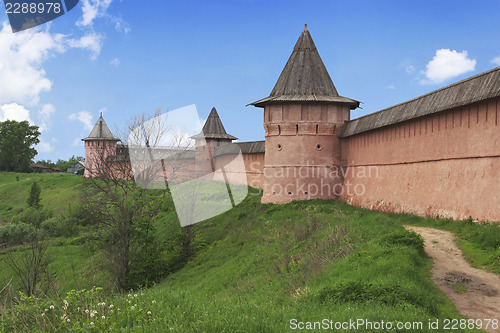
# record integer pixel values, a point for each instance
(98, 146)
(211, 136)
(302, 117)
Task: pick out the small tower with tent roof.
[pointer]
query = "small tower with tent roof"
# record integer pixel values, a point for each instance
(98, 146)
(211, 136)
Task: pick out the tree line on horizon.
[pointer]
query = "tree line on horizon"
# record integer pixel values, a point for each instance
(17, 148)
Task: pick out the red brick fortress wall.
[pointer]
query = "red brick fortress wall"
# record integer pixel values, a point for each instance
(445, 164)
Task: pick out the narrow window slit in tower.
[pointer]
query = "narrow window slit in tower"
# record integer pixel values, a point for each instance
(296, 129)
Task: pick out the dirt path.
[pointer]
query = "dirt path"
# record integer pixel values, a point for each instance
(475, 293)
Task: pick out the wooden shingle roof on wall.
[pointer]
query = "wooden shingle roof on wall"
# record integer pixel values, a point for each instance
(305, 78)
(100, 132)
(473, 89)
(251, 147)
(213, 128)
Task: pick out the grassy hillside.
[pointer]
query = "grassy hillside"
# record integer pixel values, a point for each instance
(269, 264)
(265, 268)
(59, 190)
(257, 268)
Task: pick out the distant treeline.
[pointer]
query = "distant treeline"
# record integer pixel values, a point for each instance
(61, 164)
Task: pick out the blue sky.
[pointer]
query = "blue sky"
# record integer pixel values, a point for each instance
(128, 57)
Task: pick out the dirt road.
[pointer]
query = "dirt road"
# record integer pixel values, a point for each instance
(475, 293)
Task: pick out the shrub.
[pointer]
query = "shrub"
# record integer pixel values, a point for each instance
(16, 233)
(34, 197)
(59, 225)
(82, 215)
(31, 216)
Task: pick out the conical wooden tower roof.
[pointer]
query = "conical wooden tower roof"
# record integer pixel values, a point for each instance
(213, 128)
(305, 78)
(100, 132)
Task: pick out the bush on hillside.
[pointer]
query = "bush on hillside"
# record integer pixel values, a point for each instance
(32, 216)
(13, 234)
(60, 225)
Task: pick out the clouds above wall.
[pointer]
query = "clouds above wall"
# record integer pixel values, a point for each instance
(84, 117)
(447, 64)
(24, 56)
(93, 9)
(14, 111)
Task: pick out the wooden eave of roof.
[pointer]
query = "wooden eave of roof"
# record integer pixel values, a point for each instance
(476, 88)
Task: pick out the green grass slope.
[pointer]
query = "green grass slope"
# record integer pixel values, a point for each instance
(268, 268)
(59, 190)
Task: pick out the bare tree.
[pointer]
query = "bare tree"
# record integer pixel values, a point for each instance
(127, 189)
(31, 265)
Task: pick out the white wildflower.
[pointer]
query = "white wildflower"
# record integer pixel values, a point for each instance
(153, 301)
(51, 307)
(132, 308)
(149, 312)
(67, 320)
(91, 323)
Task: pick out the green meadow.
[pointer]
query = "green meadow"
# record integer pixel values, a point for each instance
(255, 268)
(60, 190)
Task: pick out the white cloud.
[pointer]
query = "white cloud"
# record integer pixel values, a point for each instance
(121, 25)
(45, 147)
(44, 115)
(410, 69)
(22, 78)
(22, 56)
(115, 62)
(92, 9)
(390, 86)
(496, 61)
(14, 111)
(447, 64)
(91, 42)
(84, 117)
